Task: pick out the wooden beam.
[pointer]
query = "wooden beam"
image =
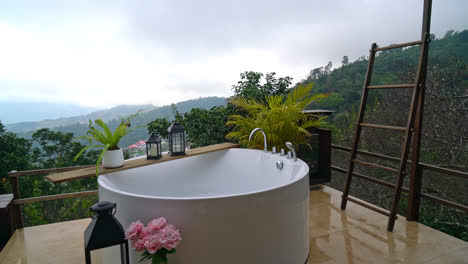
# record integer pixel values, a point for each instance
(373, 165)
(364, 177)
(445, 202)
(412, 43)
(394, 159)
(46, 171)
(387, 86)
(368, 205)
(131, 164)
(54, 197)
(383, 126)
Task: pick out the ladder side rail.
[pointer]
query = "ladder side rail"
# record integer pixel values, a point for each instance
(415, 184)
(411, 120)
(357, 135)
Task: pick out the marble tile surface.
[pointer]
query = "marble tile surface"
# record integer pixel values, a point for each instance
(356, 235)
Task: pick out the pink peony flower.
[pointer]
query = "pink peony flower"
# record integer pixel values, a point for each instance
(171, 237)
(133, 230)
(157, 224)
(154, 226)
(139, 244)
(156, 235)
(154, 243)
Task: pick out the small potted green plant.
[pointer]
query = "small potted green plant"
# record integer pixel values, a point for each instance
(112, 154)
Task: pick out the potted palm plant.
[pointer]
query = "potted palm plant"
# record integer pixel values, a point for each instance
(112, 154)
(281, 117)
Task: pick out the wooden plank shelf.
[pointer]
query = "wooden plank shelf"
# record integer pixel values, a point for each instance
(131, 164)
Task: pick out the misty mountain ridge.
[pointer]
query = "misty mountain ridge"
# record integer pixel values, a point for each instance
(113, 116)
(29, 111)
(105, 115)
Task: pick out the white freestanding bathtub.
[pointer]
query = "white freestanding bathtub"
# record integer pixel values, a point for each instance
(231, 206)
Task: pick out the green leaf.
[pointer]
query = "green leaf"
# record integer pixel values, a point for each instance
(85, 148)
(109, 135)
(100, 158)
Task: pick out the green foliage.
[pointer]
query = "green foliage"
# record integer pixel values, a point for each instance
(159, 126)
(51, 149)
(207, 127)
(280, 117)
(250, 85)
(14, 155)
(333, 101)
(109, 140)
(56, 149)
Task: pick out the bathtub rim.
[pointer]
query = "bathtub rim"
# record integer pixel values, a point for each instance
(191, 198)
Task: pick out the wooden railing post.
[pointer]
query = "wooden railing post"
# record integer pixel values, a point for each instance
(17, 207)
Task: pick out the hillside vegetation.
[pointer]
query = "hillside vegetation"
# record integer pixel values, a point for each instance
(445, 124)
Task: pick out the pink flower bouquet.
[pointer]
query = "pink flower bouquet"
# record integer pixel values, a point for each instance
(156, 240)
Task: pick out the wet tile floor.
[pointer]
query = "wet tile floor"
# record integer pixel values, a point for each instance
(357, 235)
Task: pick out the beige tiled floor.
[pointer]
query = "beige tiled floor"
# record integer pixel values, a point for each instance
(356, 235)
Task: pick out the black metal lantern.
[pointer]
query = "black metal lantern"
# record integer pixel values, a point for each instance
(153, 147)
(105, 231)
(176, 139)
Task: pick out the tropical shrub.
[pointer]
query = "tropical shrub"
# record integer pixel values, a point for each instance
(281, 118)
(159, 126)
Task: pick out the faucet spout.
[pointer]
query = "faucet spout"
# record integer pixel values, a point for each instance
(264, 137)
(290, 146)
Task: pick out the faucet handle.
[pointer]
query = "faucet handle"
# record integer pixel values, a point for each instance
(289, 155)
(290, 146)
(282, 152)
(273, 150)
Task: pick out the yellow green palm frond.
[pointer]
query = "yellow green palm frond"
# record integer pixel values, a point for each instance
(281, 118)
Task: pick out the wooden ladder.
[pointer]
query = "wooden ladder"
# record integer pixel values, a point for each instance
(415, 113)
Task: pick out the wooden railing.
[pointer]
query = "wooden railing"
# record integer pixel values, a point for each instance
(18, 201)
(413, 211)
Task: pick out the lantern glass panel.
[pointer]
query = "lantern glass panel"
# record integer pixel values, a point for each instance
(178, 142)
(106, 255)
(153, 149)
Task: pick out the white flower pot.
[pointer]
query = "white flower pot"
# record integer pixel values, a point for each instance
(113, 158)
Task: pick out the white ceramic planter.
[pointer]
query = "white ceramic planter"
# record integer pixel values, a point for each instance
(113, 158)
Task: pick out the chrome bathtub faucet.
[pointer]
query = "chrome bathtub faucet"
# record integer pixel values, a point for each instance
(290, 146)
(264, 137)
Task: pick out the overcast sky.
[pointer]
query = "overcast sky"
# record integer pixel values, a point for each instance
(104, 53)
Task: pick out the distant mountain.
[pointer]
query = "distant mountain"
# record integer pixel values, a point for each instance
(148, 115)
(105, 115)
(14, 112)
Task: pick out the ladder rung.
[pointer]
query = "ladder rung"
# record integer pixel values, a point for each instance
(367, 178)
(409, 85)
(383, 127)
(368, 206)
(377, 166)
(412, 43)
